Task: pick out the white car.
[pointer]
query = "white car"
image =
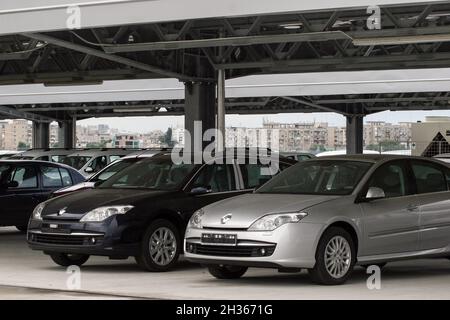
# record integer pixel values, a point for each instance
(90, 161)
(49, 154)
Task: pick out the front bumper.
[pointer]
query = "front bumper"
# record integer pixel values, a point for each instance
(102, 239)
(292, 245)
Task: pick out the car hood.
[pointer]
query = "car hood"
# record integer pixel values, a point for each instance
(248, 208)
(78, 203)
(75, 187)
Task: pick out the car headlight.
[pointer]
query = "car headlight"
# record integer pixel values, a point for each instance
(274, 221)
(102, 213)
(196, 219)
(37, 212)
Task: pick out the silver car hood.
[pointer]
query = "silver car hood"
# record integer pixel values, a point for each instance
(246, 209)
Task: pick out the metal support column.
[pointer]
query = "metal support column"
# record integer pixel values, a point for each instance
(41, 134)
(67, 134)
(221, 110)
(355, 134)
(200, 100)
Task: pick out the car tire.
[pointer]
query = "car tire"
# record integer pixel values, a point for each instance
(160, 248)
(22, 229)
(227, 272)
(379, 265)
(66, 260)
(332, 269)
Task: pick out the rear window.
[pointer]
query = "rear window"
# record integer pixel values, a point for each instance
(54, 177)
(76, 162)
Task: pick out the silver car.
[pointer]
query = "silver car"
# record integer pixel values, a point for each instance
(327, 215)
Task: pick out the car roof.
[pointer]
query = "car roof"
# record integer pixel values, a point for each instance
(47, 163)
(373, 157)
(230, 152)
(95, 152)
(43, 152)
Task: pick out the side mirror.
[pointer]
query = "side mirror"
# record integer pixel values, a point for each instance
(375, 193)
(200, 190)
(88, 170)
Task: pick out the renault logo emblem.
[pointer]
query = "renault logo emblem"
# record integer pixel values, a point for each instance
(62, 211)
(226, 218)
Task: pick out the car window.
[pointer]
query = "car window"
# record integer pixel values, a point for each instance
(25, 176)
(114, 158)
(66, 178)
(255, 175)
(58, 159)
(42, 158)
(111, 170)
(429, 177)
(99, 163)
(152, 173)
(303, 157)
(51, 177)
(324, 177)
(4, 171)
(76, 162)
(219, 177)
(392, 179)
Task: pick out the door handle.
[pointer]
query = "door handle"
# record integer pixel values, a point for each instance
(412, 207)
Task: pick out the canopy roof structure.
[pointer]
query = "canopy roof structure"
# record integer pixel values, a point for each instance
(419, 89)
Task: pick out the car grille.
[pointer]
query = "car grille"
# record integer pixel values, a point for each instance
(62, 239)
(230, 251)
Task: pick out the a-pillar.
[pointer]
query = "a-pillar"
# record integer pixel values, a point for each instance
(41, 135)
(355, 134)
(199, 113)
(67, 134)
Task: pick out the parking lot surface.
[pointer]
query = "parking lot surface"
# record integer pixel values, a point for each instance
(26, 274)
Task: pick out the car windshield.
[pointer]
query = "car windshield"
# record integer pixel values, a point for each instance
(76, 162)
(151, 173)
(111, 170)
(323, 177)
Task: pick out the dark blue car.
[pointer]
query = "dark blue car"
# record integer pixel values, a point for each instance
(25, 184)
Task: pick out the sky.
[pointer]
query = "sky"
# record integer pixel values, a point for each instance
(142, 124)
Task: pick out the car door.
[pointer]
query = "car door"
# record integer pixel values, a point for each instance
(25, 197)
(432, 183)
(220, 181)
(6, 196)
(391, 223)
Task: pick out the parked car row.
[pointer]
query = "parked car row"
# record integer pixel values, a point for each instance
(324, 214)
(86, 161)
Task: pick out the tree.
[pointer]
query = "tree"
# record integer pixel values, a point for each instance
(97, 145)
(22, 146)
(386, 145)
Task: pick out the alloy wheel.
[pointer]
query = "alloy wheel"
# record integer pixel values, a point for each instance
(338, 257)
(163, 246)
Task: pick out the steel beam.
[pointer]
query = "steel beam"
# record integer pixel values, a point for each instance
(313, 105)
(228, 41)
(17, 114)
(103, 55)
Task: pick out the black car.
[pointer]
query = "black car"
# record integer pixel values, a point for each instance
(24, 184)
(141, 211)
